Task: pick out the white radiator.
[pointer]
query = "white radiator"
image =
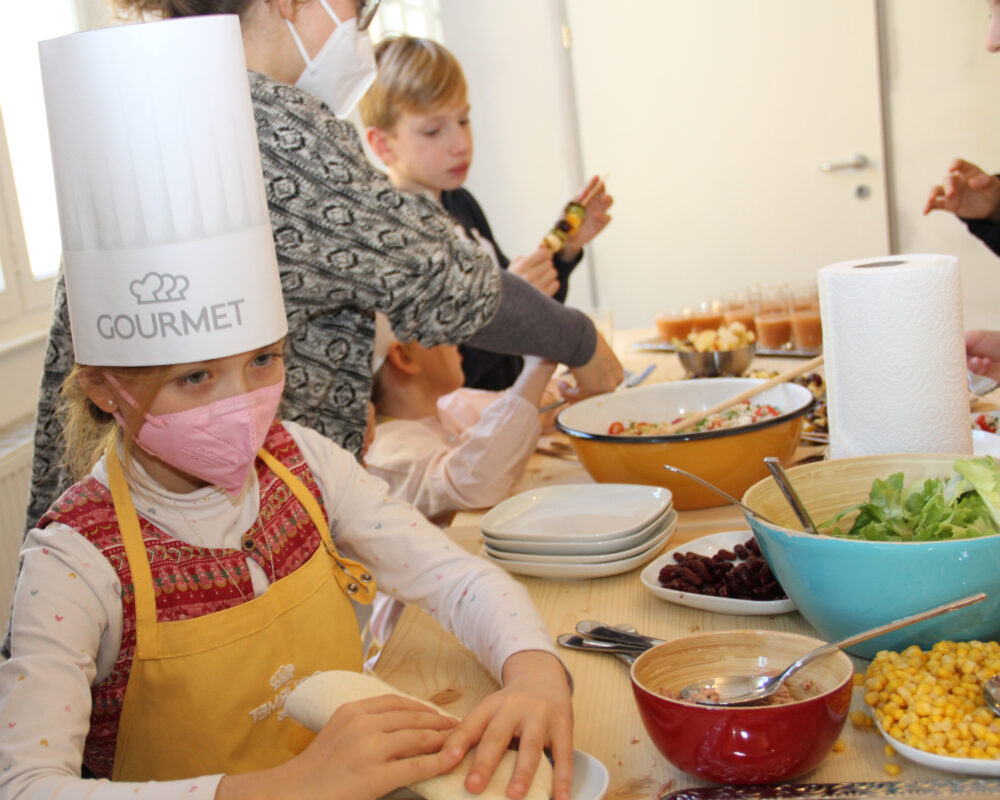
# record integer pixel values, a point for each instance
(15, 478)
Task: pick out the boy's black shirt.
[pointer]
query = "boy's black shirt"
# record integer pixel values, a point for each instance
(483, 369)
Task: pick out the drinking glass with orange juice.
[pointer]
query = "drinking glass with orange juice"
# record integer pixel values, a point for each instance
(707, 316)
(739, 307)
(807, 331)
(674, 324)
(773, 319)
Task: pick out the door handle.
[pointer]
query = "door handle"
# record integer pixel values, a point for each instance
(859, 162)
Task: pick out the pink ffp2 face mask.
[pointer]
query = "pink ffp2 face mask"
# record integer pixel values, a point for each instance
(218, 442)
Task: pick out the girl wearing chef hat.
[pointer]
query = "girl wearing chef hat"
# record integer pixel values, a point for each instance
(348, 243)
(211, 557)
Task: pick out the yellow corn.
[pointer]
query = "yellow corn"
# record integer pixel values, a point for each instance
(933, 700)
(892, 769)
(840, 746)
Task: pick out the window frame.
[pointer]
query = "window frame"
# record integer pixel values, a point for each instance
(23, 295)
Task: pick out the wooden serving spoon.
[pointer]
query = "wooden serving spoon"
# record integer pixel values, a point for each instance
(697, 416)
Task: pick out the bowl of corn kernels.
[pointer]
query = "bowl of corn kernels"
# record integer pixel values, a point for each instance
(929, 705)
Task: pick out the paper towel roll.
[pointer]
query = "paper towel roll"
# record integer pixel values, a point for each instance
(895, 356)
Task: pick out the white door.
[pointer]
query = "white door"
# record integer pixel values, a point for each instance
(714, 120)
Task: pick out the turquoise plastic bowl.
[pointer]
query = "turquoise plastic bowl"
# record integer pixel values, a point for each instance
(842, 587)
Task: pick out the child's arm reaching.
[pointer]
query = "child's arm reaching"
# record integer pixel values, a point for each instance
(534, 379)
(492, 436)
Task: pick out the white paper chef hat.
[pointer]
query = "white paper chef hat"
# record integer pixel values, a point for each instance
(167, 244)
(383, 338)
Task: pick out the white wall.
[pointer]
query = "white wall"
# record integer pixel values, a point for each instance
(942, 90)
(527, 162)
(940, 99)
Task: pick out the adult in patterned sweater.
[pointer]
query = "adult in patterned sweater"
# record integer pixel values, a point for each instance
(348, 243)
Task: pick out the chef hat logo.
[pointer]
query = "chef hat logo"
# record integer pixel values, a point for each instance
(157, 287)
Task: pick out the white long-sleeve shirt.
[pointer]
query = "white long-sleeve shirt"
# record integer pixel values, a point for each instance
(67, 622)
(465, 457)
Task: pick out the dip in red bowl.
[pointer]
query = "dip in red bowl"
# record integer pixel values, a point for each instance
(742, 744)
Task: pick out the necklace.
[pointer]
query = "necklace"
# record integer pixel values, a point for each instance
(247, 544)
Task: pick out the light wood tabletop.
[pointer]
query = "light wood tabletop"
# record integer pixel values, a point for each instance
(422, 659)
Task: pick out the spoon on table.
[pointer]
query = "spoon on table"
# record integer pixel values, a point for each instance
(781, 477)
(574, 641)
(741, 690)
(621, 634)
(720, 492)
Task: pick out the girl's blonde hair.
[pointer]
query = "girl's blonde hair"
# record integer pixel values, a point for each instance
(414, 74)
(89, 430)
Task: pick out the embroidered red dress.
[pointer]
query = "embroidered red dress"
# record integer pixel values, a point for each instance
(190, 581)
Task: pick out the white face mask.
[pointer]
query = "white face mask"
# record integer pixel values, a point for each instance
(344, 67)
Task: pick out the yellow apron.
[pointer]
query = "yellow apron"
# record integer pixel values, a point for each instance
(207, 695)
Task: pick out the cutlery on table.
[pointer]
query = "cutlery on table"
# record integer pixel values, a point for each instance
(618, 634)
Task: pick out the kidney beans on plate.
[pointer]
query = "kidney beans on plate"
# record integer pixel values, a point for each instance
(740, 574)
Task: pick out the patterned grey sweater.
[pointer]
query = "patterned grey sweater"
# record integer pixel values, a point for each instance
(348, 244)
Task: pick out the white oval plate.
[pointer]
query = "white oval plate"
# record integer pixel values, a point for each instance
(655, 537)
(709, 546)
(547, 569)
(964, 766)
(590, 780)
(516, 548)
(592, 511)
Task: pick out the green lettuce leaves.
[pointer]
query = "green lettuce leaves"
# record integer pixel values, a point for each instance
(964, 506)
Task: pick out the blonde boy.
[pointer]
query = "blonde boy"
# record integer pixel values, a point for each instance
(417, 115)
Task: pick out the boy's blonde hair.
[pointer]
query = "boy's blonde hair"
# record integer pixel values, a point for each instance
(414, 74)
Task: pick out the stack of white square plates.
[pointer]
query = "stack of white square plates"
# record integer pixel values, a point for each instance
(579, 531)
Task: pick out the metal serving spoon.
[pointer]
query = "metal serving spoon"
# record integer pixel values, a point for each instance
(721, 493)
(991, 693)
(741, 690)
(781, 478)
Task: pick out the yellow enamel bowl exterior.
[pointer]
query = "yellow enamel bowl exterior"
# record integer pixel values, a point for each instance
(731, 458)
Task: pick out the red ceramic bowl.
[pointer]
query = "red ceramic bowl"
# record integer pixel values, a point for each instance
(741, 745)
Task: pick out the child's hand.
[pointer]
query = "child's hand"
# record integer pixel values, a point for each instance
(967, 192)
(535, 706)
(594, 222)
(366, 750)
(537, 269)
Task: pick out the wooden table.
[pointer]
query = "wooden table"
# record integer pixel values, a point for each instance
(422, 659)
